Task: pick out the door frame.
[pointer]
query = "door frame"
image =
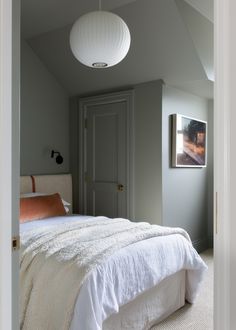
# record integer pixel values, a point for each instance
(225, 248)
(224, 164)
(9, 160)
(115, 97)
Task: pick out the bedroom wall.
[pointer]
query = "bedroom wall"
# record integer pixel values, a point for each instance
(44, 117)
(148, 173)
(187, 192)
(164, 195)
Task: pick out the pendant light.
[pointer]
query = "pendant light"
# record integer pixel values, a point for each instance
(100, 39)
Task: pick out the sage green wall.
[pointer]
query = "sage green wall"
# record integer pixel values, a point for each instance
(186, 192)
(148, 164)
(164, 195)
(44, 117)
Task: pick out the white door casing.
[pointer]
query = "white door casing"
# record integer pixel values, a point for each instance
(9, 160)
(225, 166)
(106, 155)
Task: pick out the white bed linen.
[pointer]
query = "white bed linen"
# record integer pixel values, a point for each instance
(128, 273)
(151, 307)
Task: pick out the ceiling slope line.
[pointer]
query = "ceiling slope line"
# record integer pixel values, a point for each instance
(204, 7)
(201, 32)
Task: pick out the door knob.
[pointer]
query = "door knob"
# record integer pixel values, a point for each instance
(120, 187)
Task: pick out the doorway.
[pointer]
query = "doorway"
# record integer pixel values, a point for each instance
(222, 246)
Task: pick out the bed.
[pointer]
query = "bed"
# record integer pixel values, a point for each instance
(124, 281)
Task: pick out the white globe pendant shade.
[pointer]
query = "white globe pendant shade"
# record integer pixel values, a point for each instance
(100, 39)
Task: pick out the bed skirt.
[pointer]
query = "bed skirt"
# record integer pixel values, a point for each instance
(151, 307)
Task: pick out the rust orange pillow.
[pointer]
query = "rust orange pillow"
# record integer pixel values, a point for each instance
(41, 207)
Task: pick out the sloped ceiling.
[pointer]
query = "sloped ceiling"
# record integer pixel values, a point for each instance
(199, 26)
(40, 16)
(205, 7)
(162, 47)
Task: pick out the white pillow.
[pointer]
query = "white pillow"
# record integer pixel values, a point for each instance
(66, 209)
(34, 194)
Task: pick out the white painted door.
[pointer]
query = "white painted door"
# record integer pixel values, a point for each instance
(106, 159)
(225, 166)
(9, 162)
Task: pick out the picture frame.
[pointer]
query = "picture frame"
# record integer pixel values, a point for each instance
(189, 141)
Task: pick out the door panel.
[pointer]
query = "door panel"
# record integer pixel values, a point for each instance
(105, 147)
(106, 159)
(105, 201)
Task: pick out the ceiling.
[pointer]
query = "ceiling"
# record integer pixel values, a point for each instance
(40, 16)
(205, 7)
(170, 40)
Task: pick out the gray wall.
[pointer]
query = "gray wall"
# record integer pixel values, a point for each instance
(44, 117)
(148, 173)
(74, 152)
(165, 195)
(185, 190)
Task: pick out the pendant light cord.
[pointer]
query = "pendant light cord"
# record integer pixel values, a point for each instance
(100, 5)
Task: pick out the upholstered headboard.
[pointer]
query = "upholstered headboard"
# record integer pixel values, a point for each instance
(55, 183)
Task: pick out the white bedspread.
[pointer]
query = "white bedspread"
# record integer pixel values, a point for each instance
(114, 271)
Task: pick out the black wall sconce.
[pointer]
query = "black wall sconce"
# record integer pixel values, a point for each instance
(59, 158)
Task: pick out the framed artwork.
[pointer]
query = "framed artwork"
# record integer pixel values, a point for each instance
(189, 141)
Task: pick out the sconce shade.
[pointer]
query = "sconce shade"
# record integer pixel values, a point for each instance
(59, 158)
(100, 39)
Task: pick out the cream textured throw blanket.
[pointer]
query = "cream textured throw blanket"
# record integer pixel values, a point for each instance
(55, 263)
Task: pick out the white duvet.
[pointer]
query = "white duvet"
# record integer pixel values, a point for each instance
(112, 278)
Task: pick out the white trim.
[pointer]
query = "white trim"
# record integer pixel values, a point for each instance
(222, 285)
(9, 159)
(127, 96)
(5, 171)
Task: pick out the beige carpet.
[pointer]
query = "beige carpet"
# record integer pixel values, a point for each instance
(198, 316)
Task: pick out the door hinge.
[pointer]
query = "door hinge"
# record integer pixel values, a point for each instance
(85, 123)
(15, 243)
